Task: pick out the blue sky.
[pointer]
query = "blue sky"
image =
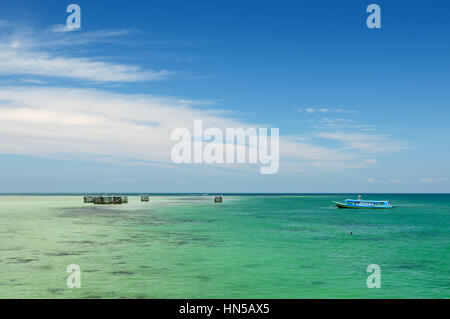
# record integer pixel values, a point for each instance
(359, 110)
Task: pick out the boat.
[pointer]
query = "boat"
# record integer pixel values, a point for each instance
(364, 204)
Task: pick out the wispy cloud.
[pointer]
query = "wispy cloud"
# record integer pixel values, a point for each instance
(374, 143)
(32, 81)
(322, 110)
(61, 35)
(25, 52)
(62, 28)
(433, 180)
(16, 61)
(343, 123)
(390, 180)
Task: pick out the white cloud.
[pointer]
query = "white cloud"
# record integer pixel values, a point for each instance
(62, 28)
(53, 121)
(61, 35)
(20, 62)
(322, 110)
(433, 180)
(98, 125)
(32, 81)
(343, 124)
(390, 180)
(375, 143)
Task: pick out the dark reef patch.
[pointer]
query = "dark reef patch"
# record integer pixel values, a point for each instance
(80, 242)
(55, 290)
(317, 283)
(19, 260)
(203, 277)
(410, 266)
(66, 253)
(122, 272)
(46, 267)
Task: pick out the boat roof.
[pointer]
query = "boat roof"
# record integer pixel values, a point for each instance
(366, 201)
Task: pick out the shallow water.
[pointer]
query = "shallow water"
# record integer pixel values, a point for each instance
(246, 247)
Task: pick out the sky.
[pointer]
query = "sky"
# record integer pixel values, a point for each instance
(359, 110)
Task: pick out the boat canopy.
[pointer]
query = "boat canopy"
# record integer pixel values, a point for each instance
(379, 202)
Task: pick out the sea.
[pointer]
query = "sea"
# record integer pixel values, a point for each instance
(249, 246)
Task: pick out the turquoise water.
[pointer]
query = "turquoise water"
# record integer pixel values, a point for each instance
(246, 247)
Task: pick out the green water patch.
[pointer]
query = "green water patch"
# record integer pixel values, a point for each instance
(246, 247)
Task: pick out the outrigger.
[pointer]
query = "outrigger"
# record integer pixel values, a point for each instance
(364, 204)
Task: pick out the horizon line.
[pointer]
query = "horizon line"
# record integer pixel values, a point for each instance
(216, 193)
